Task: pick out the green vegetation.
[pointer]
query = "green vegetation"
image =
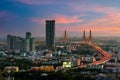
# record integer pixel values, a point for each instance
(74, 74)
(21, 63)
(85, 49)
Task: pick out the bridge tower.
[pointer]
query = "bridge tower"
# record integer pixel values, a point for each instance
(84, 36)
(65, 38)
(90, 37)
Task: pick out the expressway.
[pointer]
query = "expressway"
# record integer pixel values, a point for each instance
(106, 55)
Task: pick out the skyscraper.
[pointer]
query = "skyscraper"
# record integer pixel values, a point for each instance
(28, 35)
(30, 42)
(15, 43)
(50, 34)
(9, 42)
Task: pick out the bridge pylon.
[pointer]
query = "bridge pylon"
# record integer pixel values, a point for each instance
(65, 37)
(84, 37)
(90, 37)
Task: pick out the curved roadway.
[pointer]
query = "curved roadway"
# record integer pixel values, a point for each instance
(106, 55)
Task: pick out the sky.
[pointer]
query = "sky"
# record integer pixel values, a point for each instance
(20, 16)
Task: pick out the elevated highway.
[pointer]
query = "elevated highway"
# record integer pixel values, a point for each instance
(106, 55)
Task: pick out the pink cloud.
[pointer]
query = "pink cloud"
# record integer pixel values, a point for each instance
(61, 19)
(34, 2)
(85, 7)
(67, 20)
(96, 31)
(111, 19)
(108, 25)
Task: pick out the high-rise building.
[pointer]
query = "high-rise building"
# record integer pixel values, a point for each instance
(32, 45)
(30, 42)
(9, 42)
(28, 35)
(27, 44)
(50, 34)
(15, 43)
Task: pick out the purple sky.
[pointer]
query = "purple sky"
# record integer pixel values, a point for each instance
(20, 16)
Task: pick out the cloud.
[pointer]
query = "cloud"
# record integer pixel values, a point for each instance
(109, 19)
(67, 19)
(96, 31)
(91, 7)
(34, 2)
(61, 19)
(107, 25)
(102, 20)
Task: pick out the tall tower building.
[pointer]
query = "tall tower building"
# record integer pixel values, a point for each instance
(30, 42)
(50, 34)
(9, 42)
(15, 43)
(28, 35)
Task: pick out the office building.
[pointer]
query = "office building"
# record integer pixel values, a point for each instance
(50, 34)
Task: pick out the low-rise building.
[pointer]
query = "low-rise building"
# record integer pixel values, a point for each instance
(67, 64)
(11, 69)
(95, 66)
(43, 68)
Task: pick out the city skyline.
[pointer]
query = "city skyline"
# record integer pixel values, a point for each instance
(20, 16)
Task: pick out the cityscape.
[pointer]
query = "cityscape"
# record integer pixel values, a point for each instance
(66, 40)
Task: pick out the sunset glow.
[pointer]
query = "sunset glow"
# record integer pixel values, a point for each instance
(20, 16)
